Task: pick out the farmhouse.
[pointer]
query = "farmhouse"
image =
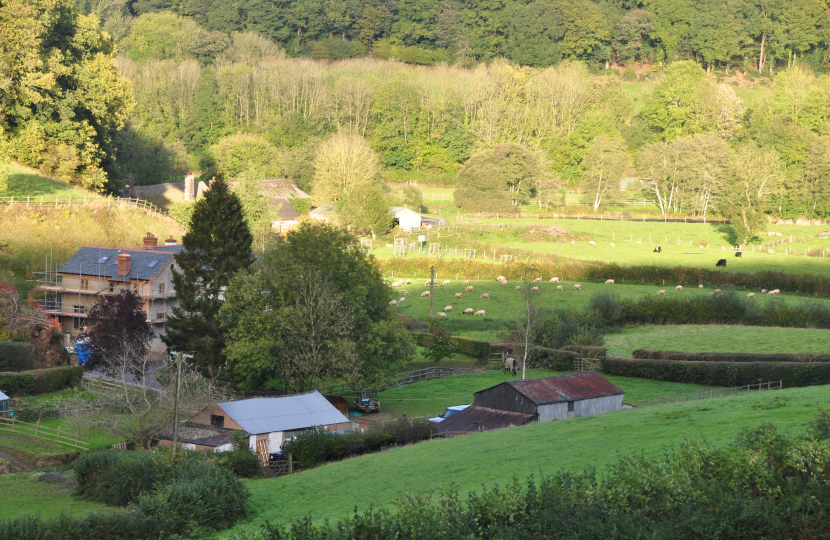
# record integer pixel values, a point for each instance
(269, 422)
(406, 218)
(549, 398)
(94, 271)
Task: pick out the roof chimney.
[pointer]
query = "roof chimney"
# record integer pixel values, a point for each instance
(170, 241)
(125, 261)
(150, 242)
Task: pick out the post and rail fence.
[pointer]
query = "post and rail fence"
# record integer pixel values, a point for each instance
(26, 429)
(401, 379)
(71, 200)
(707, 394)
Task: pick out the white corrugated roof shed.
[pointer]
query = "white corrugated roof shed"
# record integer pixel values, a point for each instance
(266, 415)
(3, 397)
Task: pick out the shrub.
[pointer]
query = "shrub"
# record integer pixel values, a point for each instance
(118, 478)
(95, 526)
(301, 204)
(587, 351)
(15, 356)
(40, 381)
(727, 357)
(815, 251)
(473, 348)
(242, 461)
(607, 308)
(554, 359)
(793, 374)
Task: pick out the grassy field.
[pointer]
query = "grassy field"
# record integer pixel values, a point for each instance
(505, 303)
(24, 182)
(719, 338)
(431, 397)
(24, 494)
(332, 491)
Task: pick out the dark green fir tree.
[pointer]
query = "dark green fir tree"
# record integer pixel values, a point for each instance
(216, 246)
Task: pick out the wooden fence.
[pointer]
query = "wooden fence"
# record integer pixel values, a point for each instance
(401, 379)
(703, 394)
(57, 201)
(25, 429)
(282, 467)
(585, 364)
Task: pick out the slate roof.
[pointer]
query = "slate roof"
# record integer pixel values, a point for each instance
(475, 418)
(285, 212)
(197, 434)
(266, 415)
(570, 387)
(86, 262)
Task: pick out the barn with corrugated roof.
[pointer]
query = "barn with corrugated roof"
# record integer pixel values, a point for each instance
(541, 400)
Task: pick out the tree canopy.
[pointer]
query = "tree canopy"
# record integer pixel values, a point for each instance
(496, 180)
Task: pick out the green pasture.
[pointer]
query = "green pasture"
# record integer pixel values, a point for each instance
(429, 398)
(506, 304)
(23, 183)
(334, 490)
(24, 494)
(719, 338)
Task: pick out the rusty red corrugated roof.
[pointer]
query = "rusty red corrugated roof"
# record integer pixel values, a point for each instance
(571, 387)
(482, 419)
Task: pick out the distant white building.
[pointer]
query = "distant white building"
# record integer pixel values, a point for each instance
(406, 219)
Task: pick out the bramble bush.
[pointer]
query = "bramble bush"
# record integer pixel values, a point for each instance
(763, 485)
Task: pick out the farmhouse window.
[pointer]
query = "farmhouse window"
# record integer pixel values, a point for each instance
(217, 420)
(112, 287)
(161, 288)
(78, 309)
(159, 315)
(84, 284)
(570, 406)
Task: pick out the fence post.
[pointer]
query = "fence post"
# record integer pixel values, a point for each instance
(58, 436)
(37, 427)
(290, 463)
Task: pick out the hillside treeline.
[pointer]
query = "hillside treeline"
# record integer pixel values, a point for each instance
(752, 34)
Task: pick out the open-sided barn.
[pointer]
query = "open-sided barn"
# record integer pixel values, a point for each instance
(548, 398)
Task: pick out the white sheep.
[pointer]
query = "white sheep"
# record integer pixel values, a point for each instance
(591, 243)
(409, 282)
(763, 291)
(440, 286)
(468, 311)
(609, 281)
(559, 288)
(774, 292)
(700, 286)
(751, 295)
(425, 293)
(466, 282)
(577, 286)
(469, 289)
(485, 295)
(712, 293)
(393, 303)
(448, 308)
(679, 288)
(500, 278)
(446, 282)
(427, 283)
(534, 289)
(717, 291)
(537, 280)
(406, 294)
(504, 282)
(612, 244)
(442, 314)
(457, 295)
(479, 312)
(518, 288)
(402, 300)
(554, 280)
(661, 292)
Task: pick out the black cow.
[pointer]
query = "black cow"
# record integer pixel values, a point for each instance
(739, 254)
(657, 250)
(721, 262)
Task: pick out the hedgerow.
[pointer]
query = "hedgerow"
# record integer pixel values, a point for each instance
(16, 356)
(727, 356)
(40, 381)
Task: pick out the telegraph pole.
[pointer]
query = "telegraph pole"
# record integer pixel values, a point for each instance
(176, 403)
(431, 284)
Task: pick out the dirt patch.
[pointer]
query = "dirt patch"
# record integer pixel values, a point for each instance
(546, 233)
(14, 462)
(26, 462)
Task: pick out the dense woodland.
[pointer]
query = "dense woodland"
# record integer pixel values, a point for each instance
(247, 89)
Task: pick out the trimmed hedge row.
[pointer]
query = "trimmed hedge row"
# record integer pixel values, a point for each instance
(473, 348)
(793, 374)
(40, 381)
(553, 359)
(571, 269)
(16, 356)
(586, 351)
(649, 354)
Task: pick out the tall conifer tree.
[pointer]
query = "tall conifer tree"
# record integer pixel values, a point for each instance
(217, 245)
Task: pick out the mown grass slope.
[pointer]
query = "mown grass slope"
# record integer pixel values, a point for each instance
(333, 490)
(24, 494)
(24, 182)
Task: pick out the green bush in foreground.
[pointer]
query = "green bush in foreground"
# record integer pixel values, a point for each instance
(764, 485)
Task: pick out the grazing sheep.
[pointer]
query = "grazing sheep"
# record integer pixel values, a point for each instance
(712, 293)
(396, 284)
(425, 293)
(751, 295)
(554, 280)
(518, 288)
(440, 286)
(402, 300)
(448, 308)
(466, 282)
(578, 287)
(479, 312)
(446, 282)
(717, 291)
(406, 294)
(500, 278)
(661, 291)
(774, 292)
(408, 281)
(468, 311)
(592, 243)
(393, 303)
(609, 281)
(534, 289)
(721, 262)
(485, 295)
(612, 244)
(510, 365)
(442, 314)
(700, 286)
(537, 280)
(503, 282)
(679, 288)
(458, 295)
(427, 283)
(469, 289)
(559, 287)
(763, 291)
(657, 250)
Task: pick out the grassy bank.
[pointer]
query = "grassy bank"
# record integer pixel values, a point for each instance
(334, 490)
(719, 338)
(24, 493)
